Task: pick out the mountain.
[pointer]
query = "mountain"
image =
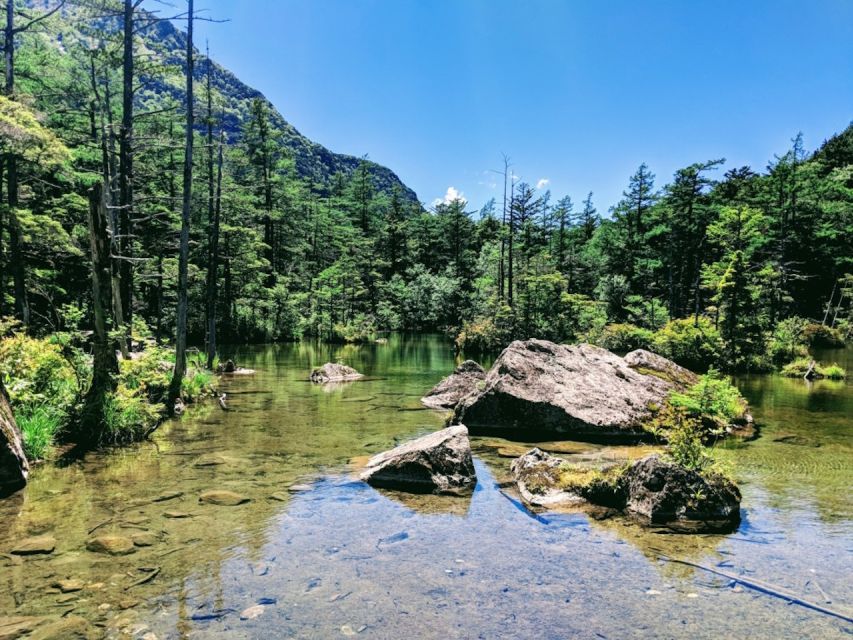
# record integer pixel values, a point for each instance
(233, 97)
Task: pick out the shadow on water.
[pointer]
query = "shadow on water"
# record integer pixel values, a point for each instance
(315, 553)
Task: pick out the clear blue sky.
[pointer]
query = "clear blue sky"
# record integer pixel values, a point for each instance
(577, 93)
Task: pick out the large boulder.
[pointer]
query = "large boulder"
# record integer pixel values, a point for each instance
(438, 462)
(14, 468)
(334, 372)
(662, 492)
(652, 364)
(581, 391)
(447, 393)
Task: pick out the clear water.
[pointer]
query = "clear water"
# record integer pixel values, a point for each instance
(339, 558)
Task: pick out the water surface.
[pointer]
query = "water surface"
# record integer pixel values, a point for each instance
(325, 556)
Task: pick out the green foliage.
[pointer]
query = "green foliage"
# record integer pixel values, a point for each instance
(788, 340)
(40, 425)
(692, 344)
(713, 397)
(128, 416)
(623, 337)
(683, 432)
(36, 371)
(800, 366)
(819, 335)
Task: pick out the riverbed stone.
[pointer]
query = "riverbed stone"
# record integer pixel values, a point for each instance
(14, 627)
(109, 544)
(447, 393)
(660, 491)
(210, 460)
(69, 585)
(334, 372)
(222, 498)
(438, 462)
(580, 391)
(144, 539)
(35, 545)
(67, 628)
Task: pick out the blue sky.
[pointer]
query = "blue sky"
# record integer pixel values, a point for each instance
(577, 93)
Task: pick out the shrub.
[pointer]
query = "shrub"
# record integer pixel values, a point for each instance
(683, 433)
(695, 345)
(819, 335)
(713, 397)
(834, 372)
(482, 335)
(625, 337)
(362, 328)
(196, 383)
(788, 340)
(128, 416)
(36, 372)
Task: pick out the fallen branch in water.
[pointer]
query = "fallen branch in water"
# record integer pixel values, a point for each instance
(98, 526)
(148, 578)
(763, 587)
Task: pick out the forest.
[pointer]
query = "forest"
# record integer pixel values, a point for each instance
(147, 214)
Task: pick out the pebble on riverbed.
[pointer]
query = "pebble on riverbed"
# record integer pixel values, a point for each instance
(222, 498)
(36, 545)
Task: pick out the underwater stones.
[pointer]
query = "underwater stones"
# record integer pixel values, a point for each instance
(580, 390)
(35, 545)
(111, 545)
(250, 613)
(537, 477)
(67, 628)
(144, 539)
(177, 515)
(14, 467)
(13, 627)
(438, 462)
(662, 492)
(222, 498)
(69, 586)
(447, 393)
(210, 460)
(333, 372)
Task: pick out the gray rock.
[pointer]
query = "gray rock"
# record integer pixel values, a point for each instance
(14, 467)
(111, 545)
(662, 492)
(582, 391)
(223, 498)
(332, 372)
(463, 381)
(652, 364)
(438, 462)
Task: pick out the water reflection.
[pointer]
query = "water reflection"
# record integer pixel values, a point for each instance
(323, 555)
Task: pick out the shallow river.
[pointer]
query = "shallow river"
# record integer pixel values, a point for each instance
(317, 554)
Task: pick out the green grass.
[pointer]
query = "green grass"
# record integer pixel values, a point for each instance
(39, 426)
(798, 368)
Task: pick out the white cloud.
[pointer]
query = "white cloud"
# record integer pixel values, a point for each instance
(543, 182)
(452, 194)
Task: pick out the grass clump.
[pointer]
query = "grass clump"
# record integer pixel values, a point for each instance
(40, 426)
(799, 367)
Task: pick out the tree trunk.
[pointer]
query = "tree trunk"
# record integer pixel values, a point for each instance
(126, 171)
(183, 259)
(14, 468)
(214, 262)
(105, 363)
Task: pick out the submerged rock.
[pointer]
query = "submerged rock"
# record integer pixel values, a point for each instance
(67, 628)
(144, 539)
(111, 544)
(222, 498)
(447, 393)
(544, 480)
(35, 545)
(333, 372)
(438, 462)
(69, 586)
(662, 492)
(14, 467)
(582, 391)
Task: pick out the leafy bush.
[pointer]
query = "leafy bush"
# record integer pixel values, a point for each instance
(625, 337)
(196, 383)
(819, 335)
(695, 345)
(128, 416)
(713, 397)
(36, 372)
(835, 372)
(483, 335)
(362, 328)
(684, 441)
(788, 340)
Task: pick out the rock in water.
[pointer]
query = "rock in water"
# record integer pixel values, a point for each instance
(111, 544)
(222, 498)
(447, 393)
(662, 492)
(439, 462)
(13, 463)
(331, 372)
(652, 364)
(581, 390)
(36, 545)
(537, 476)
